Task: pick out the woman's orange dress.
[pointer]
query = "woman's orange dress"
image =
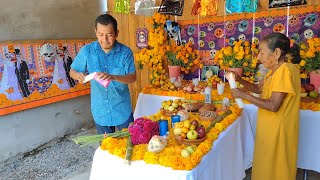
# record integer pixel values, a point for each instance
(276, 141)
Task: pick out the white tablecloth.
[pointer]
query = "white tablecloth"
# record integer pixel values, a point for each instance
(231, 154)
(225, 161)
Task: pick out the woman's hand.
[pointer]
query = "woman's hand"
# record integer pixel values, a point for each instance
(237, 93)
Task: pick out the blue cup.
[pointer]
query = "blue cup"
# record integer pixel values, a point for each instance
(163, 127)
(174, 119)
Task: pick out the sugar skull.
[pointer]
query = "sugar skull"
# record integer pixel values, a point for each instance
(184, 42)
(257, 30)
(242, 37)
(295, 37)
(210, 26)
(48, 52)
(201, 43)
(211, 44)
(202, 34)
(191, 40)
(191, 30)
(218, 33)
(293, 20)
(255, 40)
(243, 25)
(310, 20)
(213, 53)
(268, 21)
(308, 34)
(157, 144)
(229, 25)
(231, 41)
(279, 28)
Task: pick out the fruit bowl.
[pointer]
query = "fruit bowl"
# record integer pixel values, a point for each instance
(310, 99)
(181, 141)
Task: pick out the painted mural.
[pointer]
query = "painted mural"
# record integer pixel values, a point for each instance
(36, 73)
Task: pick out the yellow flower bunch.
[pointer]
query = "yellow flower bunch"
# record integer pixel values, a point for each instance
(239, 55)
(183, 56)
(310, 56)
(153, 57)
(169, 157)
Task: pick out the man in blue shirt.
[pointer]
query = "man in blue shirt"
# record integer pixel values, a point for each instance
(113, 61)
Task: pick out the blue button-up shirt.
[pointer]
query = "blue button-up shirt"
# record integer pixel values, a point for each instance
(110, 106)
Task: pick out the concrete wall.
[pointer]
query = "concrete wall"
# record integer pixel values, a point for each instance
(49, 19)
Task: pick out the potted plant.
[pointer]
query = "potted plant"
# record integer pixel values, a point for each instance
(238, 57)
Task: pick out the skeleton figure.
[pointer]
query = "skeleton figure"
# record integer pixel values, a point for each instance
(48, 51)
(9, 82)
(173, 31)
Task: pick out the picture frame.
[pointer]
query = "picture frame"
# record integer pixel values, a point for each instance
(205, 72)
(284, 3)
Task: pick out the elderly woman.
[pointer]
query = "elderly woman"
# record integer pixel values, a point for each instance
(276, 141)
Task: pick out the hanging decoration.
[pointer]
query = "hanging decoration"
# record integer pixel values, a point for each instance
(144, 7)
(277, 3)
(196, 7)
(142, 38)
(173, 7)
(173, 31)
(240, 6)
(122, 6)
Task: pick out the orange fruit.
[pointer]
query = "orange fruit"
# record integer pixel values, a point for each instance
(178, 149)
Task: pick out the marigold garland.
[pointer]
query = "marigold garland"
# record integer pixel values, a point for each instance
(168, 157)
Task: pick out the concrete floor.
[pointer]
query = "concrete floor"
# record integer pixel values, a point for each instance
(312, 175)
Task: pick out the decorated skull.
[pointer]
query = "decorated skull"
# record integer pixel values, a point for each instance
(202, 34)
(295, 37)
(156, 144)
(308, 34)
(293, 20)
(310, 20)
(257, 29)
(48, 51)
(213, 53)
(229, 25)
(210, 26)
(191, 30)
(231, 41)
(279, 28)
(201, 43)
(243, 25)
(242, 37)
(218, 33)
(211, 44)
(268, 21)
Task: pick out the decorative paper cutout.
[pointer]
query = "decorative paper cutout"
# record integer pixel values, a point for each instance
(173, 31)
(122, 6)
(173, 7)
(239, 6)
(144, 7)
(283, 3)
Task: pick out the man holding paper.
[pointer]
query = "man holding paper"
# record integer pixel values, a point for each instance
(110, 61)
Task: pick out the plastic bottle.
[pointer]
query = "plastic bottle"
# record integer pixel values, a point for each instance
(207, 93)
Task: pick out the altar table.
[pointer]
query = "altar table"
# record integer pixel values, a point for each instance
(230, 156)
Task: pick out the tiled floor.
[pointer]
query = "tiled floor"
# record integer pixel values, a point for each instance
(312, 175)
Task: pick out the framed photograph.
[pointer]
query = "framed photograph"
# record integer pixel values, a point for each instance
(283, 3)
(142, 38)
(208, 71)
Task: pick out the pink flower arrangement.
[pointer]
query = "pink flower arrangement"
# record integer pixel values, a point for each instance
(142, 130)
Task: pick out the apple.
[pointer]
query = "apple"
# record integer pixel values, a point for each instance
(195, 123)
(313, 94)
(190, 149)
(192, 134)
(184, 105)
(187, 123)
(171, 108)
(303, 90)
(192, 127)
(201, 132)
(177, 131)
(310, 87)
(214, 84)
(174, 104)
(185, 153)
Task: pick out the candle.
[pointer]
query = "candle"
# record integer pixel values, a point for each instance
(224, 75)
(233, 84)
(199, 74)
(163, 127)
(174, 119)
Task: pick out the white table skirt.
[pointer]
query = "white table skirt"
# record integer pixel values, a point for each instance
(309, 134)
(231, 154)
